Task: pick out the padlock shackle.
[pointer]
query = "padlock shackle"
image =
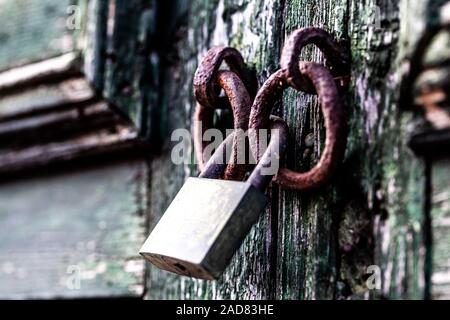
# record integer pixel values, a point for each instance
(216, 165)
(274, 152)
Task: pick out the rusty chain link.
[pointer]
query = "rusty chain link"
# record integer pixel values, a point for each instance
(308, 77)
(337, 56)
(239, 86)
(332, 110)
(207, 89)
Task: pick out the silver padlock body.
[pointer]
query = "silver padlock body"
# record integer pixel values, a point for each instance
(203, 227)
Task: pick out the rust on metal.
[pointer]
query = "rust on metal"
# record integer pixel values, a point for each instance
(240, 102)
(337, 56)
(239, 89)
(239, 85)
(206, 89)
(335, 125)
(259, 118)
(274, 152)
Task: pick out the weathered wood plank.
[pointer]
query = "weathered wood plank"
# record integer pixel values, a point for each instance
(33, 31)
(390, 179)
(44, 98)
(95, 42)
(44, 71)
(130, 80)
(440, 217)
(307, 255)
(244, 26)
(74, 234)
(85, 146)
(322, 244)
(431, 142)
(56, 126)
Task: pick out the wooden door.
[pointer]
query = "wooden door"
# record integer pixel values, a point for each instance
(379, 229)
(372, 219)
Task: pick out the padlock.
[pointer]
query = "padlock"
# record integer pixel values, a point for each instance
(209, 218)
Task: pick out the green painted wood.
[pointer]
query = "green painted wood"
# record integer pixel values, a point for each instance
(433, 87)
(251, 274)
(316, 245)
(440, 215)
(94, 50)
(46, 97)
(130, 80)
(74, 234)
(33, 30)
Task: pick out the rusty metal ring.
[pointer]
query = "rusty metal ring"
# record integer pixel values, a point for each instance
(276, 148)
(337, 56)
(240, 102)
(206, 89)
(335, 125)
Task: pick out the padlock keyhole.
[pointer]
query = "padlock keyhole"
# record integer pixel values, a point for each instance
(179, 266)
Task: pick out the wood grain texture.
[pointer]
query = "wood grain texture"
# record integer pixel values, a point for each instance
(244, 25)
(315, 245)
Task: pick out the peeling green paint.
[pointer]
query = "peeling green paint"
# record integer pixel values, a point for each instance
(315, 245)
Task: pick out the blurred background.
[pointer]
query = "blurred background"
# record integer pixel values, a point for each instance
(73, 175)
